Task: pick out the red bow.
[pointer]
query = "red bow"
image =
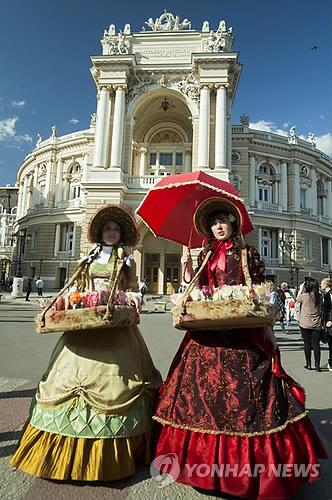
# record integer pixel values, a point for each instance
(220, 249)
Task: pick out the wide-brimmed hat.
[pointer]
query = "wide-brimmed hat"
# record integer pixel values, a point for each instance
(211, 207)
(129, 231)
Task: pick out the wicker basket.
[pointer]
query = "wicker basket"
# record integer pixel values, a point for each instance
(90, 318)
(224, 314)
(216, 315)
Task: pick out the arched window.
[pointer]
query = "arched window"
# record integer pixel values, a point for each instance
(74, 180)
(267, 194)
(165, 153)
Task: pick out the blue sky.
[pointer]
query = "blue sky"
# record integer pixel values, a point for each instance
(44, 59)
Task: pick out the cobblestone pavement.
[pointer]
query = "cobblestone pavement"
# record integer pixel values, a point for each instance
(23, 357)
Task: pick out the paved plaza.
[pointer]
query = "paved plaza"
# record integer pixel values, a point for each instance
(24, 356)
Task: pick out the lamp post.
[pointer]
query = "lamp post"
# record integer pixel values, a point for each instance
(18, 280)
(291, 246)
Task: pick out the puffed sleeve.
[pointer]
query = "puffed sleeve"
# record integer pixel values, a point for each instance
(256, 265)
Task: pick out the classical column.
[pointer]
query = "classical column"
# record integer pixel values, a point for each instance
(329, 199)
(30, 191)
(280, 253)
(259, 244)
(74, 241)
(59, 182)
(25, 194)
(85, 168)
(283, 187)
(252, 180)
(142, 162)
(48, 183)
(204, 128)
(221, 128)
(19, 200)
(296, 186)
(57, 239)
(229, 133)
(314, 191)
(329, 249)
(35, 187)
(161, 271)
(118, 125)
(102, 127)
(187, 160)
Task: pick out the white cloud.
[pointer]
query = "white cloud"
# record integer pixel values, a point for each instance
(322, 117)
(18, 104)
(266, 126)
(7, 128)
(23, 138)
(324, 143)
(74, 121)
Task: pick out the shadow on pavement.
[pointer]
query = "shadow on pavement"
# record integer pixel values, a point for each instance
(24, 393)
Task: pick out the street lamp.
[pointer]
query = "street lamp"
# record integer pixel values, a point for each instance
(291, 246)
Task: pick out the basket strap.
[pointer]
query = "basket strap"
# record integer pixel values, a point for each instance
(193, 282)
(113, 281)
(245, 267)
(76, 274)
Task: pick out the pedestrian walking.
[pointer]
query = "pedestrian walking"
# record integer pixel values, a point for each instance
(143, 288)
(310, 322)
(39, 286)
(326, 288)
(276, 299)
(28, 290)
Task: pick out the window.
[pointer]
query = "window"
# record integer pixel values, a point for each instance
(66, 237)
(303, 198)
(166, 159)
(264, 194)
(325, 251)
(306, 249)
(153, 158)
(75, 192)
(320, 205)
(236, 182)
(33, 241)
(265, 169)
(269, 243)
(179, 159)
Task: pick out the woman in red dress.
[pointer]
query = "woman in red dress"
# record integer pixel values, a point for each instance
(232, 419)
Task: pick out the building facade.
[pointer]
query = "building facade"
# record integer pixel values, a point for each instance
(164, 106)
(8, 209)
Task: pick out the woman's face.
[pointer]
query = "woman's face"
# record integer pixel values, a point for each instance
(111, 233)
(221, 228)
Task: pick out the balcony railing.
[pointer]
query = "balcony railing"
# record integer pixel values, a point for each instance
(268, 207)
(76, 202)
(271, 261)
(143, 182)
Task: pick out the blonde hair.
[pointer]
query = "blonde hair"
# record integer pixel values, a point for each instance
(326, 282)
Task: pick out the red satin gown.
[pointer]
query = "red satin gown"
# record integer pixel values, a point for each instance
(232, 419)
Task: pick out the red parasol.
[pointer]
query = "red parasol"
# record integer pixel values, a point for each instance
(168, 208)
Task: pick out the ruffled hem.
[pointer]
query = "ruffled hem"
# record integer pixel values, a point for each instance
(53, 456)
(245, 467)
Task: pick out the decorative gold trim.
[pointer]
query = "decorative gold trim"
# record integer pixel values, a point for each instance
(227, 433)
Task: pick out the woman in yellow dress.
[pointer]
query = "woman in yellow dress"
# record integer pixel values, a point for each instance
(91, 416)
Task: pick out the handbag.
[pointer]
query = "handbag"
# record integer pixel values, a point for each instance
(89, 318)
(253, 310)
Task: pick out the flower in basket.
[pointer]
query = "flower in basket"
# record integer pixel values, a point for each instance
(121, 298)
(44, 303)
(60, 304)
(176, 298)
(226, 292)
(75, 299)
(84, 299)
(196, 294)
(240, 292)
(103, 297)
(92, 299)
(207, 292)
